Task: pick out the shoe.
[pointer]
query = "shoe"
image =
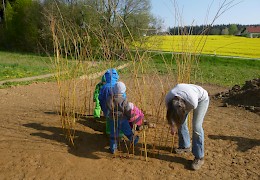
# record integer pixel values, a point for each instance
(182, 150)
(197, 163)
(113, 149)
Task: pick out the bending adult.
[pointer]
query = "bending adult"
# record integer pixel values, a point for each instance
(179, 102)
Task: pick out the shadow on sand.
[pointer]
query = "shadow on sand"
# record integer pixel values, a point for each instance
(86, 144)
(97, 124)
(243, 144)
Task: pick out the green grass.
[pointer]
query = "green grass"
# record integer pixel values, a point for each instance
(11, 84)
(228, 71)
(215, 70)
(211, 69)
(15, 65)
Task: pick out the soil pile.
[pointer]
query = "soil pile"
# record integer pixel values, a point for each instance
(247, 96)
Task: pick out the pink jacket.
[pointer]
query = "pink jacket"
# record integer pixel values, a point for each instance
(137, 116)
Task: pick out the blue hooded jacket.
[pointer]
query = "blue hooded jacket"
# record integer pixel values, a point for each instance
(111, 79)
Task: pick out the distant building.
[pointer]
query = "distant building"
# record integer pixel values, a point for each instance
(251, 31)
(163, 33)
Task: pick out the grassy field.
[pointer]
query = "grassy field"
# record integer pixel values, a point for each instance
(217, 45)
(227, 71)
(15, 65)
(211, 69)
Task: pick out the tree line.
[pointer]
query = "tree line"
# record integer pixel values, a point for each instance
(25, 25)
(223, 29)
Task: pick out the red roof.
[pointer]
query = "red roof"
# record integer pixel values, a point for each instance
(252, 29)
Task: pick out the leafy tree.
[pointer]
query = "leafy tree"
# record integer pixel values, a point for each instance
(103, 22)
(121, 20)
(233, 29)
(215, 31)
(21, 26)
(156, 25)
(225, 31)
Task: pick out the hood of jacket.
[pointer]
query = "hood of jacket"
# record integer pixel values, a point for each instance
(111, 76)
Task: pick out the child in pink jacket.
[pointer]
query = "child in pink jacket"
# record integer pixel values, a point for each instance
(137, 116)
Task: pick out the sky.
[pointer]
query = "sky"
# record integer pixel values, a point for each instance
(199, 12)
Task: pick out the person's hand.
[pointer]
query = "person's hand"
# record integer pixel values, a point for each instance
(173, 130)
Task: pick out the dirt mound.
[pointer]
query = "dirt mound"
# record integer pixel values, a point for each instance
(247, 96)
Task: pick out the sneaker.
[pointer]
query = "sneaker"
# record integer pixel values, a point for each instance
(197, 163)
(182, 150)
(113, 149)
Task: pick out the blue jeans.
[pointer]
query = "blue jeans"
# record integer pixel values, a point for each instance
(197, 132)
(115, 128)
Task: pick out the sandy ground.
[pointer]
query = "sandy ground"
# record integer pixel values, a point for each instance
(32, 145)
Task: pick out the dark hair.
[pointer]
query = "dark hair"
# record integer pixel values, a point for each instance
(176, 111)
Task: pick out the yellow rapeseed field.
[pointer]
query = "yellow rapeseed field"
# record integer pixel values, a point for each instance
(218, 45)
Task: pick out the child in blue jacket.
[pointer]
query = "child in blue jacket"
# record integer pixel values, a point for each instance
(111, 77)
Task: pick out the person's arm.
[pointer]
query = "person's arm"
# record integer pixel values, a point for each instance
(96, 92)
(127, 109)
(109, 103)
(102, 99)
(137, 116)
